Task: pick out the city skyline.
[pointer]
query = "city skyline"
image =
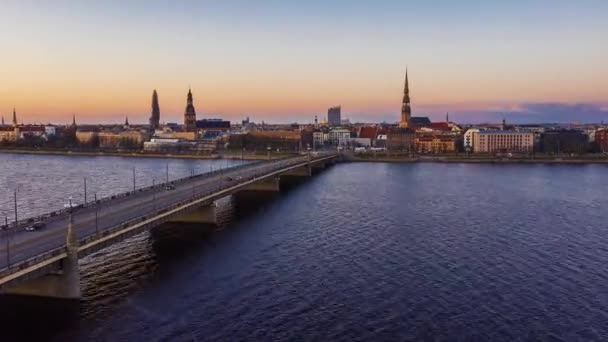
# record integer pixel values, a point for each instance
(268, 63)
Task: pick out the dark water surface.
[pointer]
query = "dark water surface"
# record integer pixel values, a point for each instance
(369, 252)
(44, 183)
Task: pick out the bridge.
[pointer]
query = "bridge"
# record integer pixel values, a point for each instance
(45, 262)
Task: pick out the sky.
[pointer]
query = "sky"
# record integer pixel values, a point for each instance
(286, 61)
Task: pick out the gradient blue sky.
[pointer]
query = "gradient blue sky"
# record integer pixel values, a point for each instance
(289, 60)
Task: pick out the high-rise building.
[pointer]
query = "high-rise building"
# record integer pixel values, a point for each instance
(334, 116)
(190, 114)
(155, 117)
(406, 110)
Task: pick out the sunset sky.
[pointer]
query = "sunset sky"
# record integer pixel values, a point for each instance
(285, 61)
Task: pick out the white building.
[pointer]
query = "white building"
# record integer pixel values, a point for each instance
(50, 130)
(502, 141)
(338, 136)
(469, 139)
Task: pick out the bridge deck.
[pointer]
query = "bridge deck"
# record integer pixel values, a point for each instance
(122, 212)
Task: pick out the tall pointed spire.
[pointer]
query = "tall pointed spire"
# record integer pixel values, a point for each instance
(74, 120)
(406, 111)
(155, 117)
(2, 120)
(127, 120)
(14, 117)
(406, 89)
(190, 96)
(447, 117)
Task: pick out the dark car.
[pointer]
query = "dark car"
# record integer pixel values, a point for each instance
(35, 226)
(170, 187)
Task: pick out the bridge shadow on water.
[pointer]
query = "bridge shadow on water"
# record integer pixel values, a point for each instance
(111, 276)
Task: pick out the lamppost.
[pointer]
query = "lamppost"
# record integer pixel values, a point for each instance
(70, 239)
(96, 210)
(85, 191)
(154, 193)
(167, 173)
(133, 178)
(268, 148)
(192, 181)
(15, 202)
(8, 243)
(308, 150)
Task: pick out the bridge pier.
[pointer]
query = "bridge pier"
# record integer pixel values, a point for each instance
(303, 171)
(271, 184)
(205, 214)
(63, 283)
(318, 166)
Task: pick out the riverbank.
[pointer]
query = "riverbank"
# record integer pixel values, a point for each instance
(345, 157)
(245, 156)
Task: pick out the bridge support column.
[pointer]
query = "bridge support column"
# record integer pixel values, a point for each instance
(64, 283)
(267, 184)
(304, 171)
(318, 166)
(204, 214)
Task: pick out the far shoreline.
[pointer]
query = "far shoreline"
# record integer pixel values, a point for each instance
(231, 156)
(346, 158)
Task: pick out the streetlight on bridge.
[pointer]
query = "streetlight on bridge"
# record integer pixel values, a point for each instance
(8, 244)
(167, 173)
(96, 210)
(133, 178)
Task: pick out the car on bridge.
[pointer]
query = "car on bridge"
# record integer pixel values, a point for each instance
(170, 187)
(35, 226)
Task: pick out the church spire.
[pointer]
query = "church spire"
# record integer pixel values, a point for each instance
(14, 117)
(73, 120)
(126, 120)
(155, 117)
(406, 90)
(406, 111)
(190, 114)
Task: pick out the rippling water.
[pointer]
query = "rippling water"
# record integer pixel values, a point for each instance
(370, 252)
(44, 183)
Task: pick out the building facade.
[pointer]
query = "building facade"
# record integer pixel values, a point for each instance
(338, 137)
(400, 139)
(564, 141)
(469, 139)
(503, 141)
(601, 139)
(436, 143)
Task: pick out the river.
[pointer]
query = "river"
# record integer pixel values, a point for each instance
(361, 251)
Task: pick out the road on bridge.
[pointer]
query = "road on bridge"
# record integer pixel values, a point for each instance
(108, 214)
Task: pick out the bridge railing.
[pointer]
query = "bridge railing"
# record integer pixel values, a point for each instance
(18, 266)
